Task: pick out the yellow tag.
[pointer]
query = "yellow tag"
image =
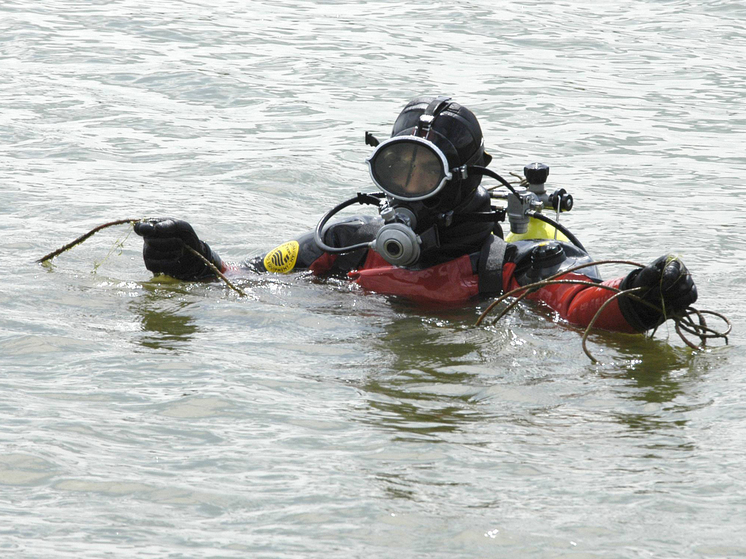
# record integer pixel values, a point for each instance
(281, 260)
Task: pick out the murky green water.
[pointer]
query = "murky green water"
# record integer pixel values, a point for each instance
(147, 419)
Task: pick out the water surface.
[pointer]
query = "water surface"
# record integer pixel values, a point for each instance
(153, 419)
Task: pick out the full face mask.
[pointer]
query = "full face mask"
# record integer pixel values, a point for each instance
(430, 139)
(421, 171)
(409, 168)
(428, 172)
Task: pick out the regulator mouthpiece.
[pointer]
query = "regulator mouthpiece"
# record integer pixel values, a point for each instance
(397, 244)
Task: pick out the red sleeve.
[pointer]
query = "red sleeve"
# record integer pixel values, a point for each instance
(578, 304)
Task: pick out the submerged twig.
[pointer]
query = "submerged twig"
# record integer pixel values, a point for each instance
(539, 284)
(682, 320)
(704, 332)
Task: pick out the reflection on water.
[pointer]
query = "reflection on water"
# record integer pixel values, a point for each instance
(656, 377)
(165, 324)
(663, 378)
(432, 367)
(399, 405)
(421, 391)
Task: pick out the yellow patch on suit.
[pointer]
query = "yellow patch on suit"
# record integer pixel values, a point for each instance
(281, 260)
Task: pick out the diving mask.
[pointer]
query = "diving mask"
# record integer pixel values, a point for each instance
(409, 168)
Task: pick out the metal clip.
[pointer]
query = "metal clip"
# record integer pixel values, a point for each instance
(424, 124)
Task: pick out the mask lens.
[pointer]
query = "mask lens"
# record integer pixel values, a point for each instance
(408, 169)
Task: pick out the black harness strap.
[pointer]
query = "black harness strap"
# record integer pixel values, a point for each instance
(491, 259)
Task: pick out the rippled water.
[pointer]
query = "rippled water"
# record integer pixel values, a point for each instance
(150, 419)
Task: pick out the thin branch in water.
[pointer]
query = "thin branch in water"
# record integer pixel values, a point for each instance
(598, 313)
(95, 230)
(215, 270)
(683, 320)
(82, 238)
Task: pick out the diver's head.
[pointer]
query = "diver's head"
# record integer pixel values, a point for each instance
(431, 139)
(421, 168)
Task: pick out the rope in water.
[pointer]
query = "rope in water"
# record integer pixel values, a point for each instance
(683, 320)
(95, 230)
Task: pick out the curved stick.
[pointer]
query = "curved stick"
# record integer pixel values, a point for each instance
(532, 287)
(704, 332)
(95, 230)
(509, 307)
(82, 238)
(598, 313)
(214, 268)
(683, 320)
(552, 277)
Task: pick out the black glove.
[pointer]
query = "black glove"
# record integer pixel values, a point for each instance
(164, 250)
(667, 284)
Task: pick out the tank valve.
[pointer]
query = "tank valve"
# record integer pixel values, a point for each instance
(536, 173)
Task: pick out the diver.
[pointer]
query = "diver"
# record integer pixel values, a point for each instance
(437, 237)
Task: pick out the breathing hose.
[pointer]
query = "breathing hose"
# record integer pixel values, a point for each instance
(371, 199)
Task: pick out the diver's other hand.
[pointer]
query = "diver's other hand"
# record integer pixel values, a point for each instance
(164, 250)
(666, 283)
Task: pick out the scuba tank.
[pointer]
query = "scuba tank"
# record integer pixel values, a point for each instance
(544, 247)
(525, 204)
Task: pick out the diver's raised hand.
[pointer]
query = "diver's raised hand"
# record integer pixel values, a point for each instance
(666, 283)
(164, 249)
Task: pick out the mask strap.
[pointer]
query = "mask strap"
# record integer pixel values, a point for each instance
(427, 118)
(437, 105)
